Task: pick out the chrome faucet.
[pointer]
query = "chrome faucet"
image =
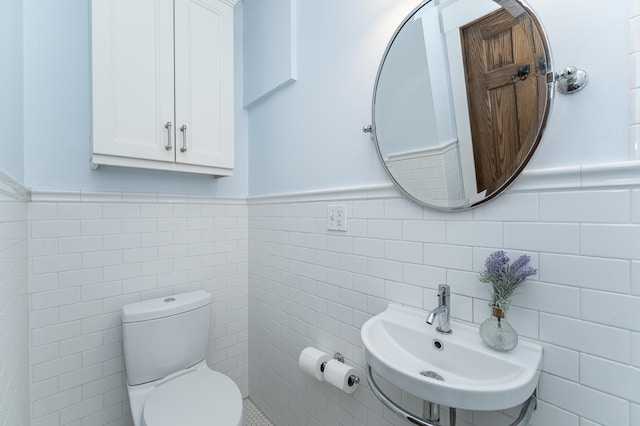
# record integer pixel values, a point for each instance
(442, 311)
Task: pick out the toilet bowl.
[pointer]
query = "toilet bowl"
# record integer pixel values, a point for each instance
(168, 380)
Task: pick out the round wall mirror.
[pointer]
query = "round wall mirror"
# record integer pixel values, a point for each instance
(461, 99)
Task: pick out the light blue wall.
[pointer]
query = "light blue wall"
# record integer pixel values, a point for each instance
(308, 135)
(269, 56)
(11, 141)
(57, 112)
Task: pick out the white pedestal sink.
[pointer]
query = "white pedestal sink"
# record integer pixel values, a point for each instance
(409, 353)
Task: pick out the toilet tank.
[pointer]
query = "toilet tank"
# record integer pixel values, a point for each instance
(164, 335)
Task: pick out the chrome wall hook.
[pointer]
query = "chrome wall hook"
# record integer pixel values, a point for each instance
(571, 80)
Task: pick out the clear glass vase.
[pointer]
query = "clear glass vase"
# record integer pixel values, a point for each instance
(496, 332)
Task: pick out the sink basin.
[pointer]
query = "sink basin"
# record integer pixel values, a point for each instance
(456, 370)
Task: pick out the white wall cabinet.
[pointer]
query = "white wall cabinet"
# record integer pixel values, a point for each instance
(163, 91)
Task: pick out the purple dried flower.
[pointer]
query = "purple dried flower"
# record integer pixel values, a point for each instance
(520, 262)
(505, 278)
(495, 263)
(525, 272)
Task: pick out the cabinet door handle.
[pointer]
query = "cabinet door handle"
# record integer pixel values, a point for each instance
(183, 129)
(167, 126)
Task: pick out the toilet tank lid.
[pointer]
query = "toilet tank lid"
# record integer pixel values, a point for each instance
(165, 306)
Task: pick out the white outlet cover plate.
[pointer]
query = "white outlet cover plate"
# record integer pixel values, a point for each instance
(337, 217)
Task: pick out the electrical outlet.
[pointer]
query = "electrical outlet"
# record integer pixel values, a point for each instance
(337, 217)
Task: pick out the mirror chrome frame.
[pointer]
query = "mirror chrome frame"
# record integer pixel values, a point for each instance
(550, 82)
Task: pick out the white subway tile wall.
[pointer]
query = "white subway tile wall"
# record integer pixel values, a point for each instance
(313, 287)
(89, 258)
(634, 80)
(14, 341)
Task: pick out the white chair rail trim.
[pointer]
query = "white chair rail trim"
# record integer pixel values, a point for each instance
(624, 174)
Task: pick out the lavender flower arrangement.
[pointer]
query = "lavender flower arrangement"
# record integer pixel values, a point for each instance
(505, 278)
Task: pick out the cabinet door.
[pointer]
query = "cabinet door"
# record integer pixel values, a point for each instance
(204, 82)
(132, 68)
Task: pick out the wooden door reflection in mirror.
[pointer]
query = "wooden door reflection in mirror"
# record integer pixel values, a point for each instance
(502, 57)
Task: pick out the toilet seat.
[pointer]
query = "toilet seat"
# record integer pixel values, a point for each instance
(196, 398)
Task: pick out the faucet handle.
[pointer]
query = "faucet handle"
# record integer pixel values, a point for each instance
(444, 289)
(444, 294)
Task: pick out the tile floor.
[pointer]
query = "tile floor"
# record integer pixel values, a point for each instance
(253, 416)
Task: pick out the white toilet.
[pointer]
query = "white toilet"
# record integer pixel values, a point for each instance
(168, 380)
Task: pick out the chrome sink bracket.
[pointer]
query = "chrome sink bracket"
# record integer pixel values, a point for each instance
(411, 418)
(523, 418)
(527, 410)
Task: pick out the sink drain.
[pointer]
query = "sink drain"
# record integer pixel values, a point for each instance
(437, 345)
(432, 375)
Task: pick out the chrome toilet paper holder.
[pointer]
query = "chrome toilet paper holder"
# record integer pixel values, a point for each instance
(353, 379)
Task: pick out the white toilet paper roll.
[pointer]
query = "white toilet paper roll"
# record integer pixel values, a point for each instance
(310, 361)
(338, 374)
